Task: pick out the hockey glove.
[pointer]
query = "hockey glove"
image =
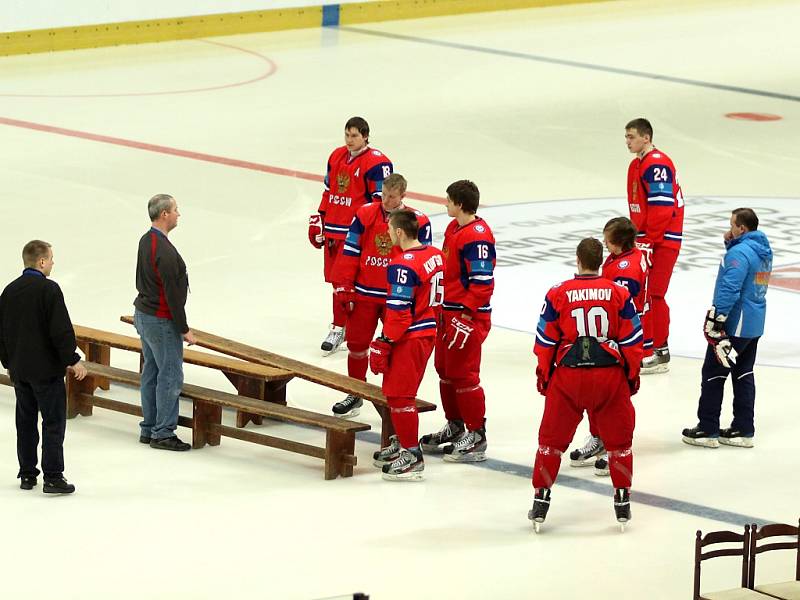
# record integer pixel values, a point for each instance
(633, 384)
(379, 352)
(714, 330)
(315, 235)
(647, 251)
(345, 296)
(457, 333)
(541, 382)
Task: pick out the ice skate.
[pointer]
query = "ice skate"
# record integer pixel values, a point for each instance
(538, 512)
(333, 341)
(601, 467)
(734, 437)
(658, 362)
(387, 455)
(622, 507)
(408, 466)
(431, 443)
(696, 437)
(471, 447)
(348, 408)
(586, 455)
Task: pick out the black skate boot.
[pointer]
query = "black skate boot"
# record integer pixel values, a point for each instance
(432, 443)
(541, 504)
(586, 455)
(348, 408)
(622, 506)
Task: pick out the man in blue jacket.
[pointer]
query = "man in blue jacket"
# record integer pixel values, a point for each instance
(733, 327)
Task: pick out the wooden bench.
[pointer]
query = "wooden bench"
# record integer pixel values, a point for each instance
(324, 377)
(252, 380)
(206, 420)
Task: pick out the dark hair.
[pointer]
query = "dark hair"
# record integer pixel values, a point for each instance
(358, 123)
(621, 232)
(405, 220)
(642, 126)
(745, 217)
(33, 251)
(465, 194)
(590, 253)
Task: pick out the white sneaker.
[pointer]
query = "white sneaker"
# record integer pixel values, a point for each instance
(333, 341)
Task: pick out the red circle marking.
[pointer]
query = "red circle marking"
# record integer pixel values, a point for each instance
(271, 67)
(748, 116)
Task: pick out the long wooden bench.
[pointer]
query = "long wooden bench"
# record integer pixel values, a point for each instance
(206, 420)
(252, 380)
(312, 373)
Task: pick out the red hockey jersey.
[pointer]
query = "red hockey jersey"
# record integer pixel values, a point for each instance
(414, 280)
(469, 270)
(629, 269)
(368, 250)
(655, 200)
(589, 305)
(351, 182)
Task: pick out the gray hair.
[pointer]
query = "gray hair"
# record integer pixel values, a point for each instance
(158, 204)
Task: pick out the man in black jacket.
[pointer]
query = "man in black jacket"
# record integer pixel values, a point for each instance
(37, 346)
(160, 319)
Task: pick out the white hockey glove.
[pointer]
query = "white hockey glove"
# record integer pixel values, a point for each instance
(714, 330)
(647, 251)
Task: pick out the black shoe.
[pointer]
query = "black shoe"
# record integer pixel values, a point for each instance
(145, 439)
(27, 483)
(734, 437)
(170, 443)
(57, 486)
(622, 505)
(697, 437)
(541, 504)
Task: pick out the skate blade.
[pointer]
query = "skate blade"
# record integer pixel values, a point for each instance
(602, 472)
(415, 476)
(466, 458)
(622, 526)
(738, 442)
(349, 415)
(703, 442)
(654, 370)
(432, 449)
(587, 462)
(537, 526)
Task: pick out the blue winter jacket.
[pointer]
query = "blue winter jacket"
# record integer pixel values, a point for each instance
(741, 288)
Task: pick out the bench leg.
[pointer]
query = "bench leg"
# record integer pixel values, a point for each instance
(102, 356)
(204, 414)
(75, 405)
(275, 392)
(337, 445)
(250, 388)
(387, 429)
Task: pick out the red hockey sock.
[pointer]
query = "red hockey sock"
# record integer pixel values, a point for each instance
(357, 363)
(449, 402)
(405, 420)
(545, 469)
(620, 464)
(339, 314)
(660, 322)
(472, 406)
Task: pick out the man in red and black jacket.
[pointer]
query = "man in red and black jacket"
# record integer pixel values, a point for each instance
(160, 319)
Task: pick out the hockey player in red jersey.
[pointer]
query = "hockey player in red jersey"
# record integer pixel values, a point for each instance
(354, 177)
(401, 353)
(360, 278)
(655, 201)
(589, 348)
(465, 322)
(626, 265)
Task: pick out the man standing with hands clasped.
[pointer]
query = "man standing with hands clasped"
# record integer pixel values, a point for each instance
(37, 346)
(160, 319)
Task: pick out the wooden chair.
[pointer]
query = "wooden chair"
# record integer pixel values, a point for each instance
(724, 537)
(206, 420)
(787, 590)
(311, 373)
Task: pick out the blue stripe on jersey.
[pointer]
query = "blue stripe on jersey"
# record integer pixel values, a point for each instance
(660, 201)
(548, 313)
(632, 285)
(368, 291)
(541, 337)
(629, 312)
(333, 228)
(423, 324)
(486, 308)
(633, 338)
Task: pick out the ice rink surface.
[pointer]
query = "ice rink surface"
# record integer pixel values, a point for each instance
(529, 104)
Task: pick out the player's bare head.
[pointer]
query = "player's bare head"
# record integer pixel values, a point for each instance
(406, 221)
(359, 124)
(745, 217)
(590, 254)
(621, 232)
(464, 194)
(641, 126)
(158, 205)
(33, 252)
(395, 182)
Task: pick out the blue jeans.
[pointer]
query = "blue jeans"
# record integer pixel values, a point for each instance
(162, 374)
(744, 388)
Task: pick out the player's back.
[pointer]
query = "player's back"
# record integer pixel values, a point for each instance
(630, 270)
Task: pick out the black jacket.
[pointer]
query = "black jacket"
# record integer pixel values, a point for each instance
(161, 279)
(37, 341)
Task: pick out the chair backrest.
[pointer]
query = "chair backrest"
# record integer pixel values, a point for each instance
(720, 537)
(768, 531)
